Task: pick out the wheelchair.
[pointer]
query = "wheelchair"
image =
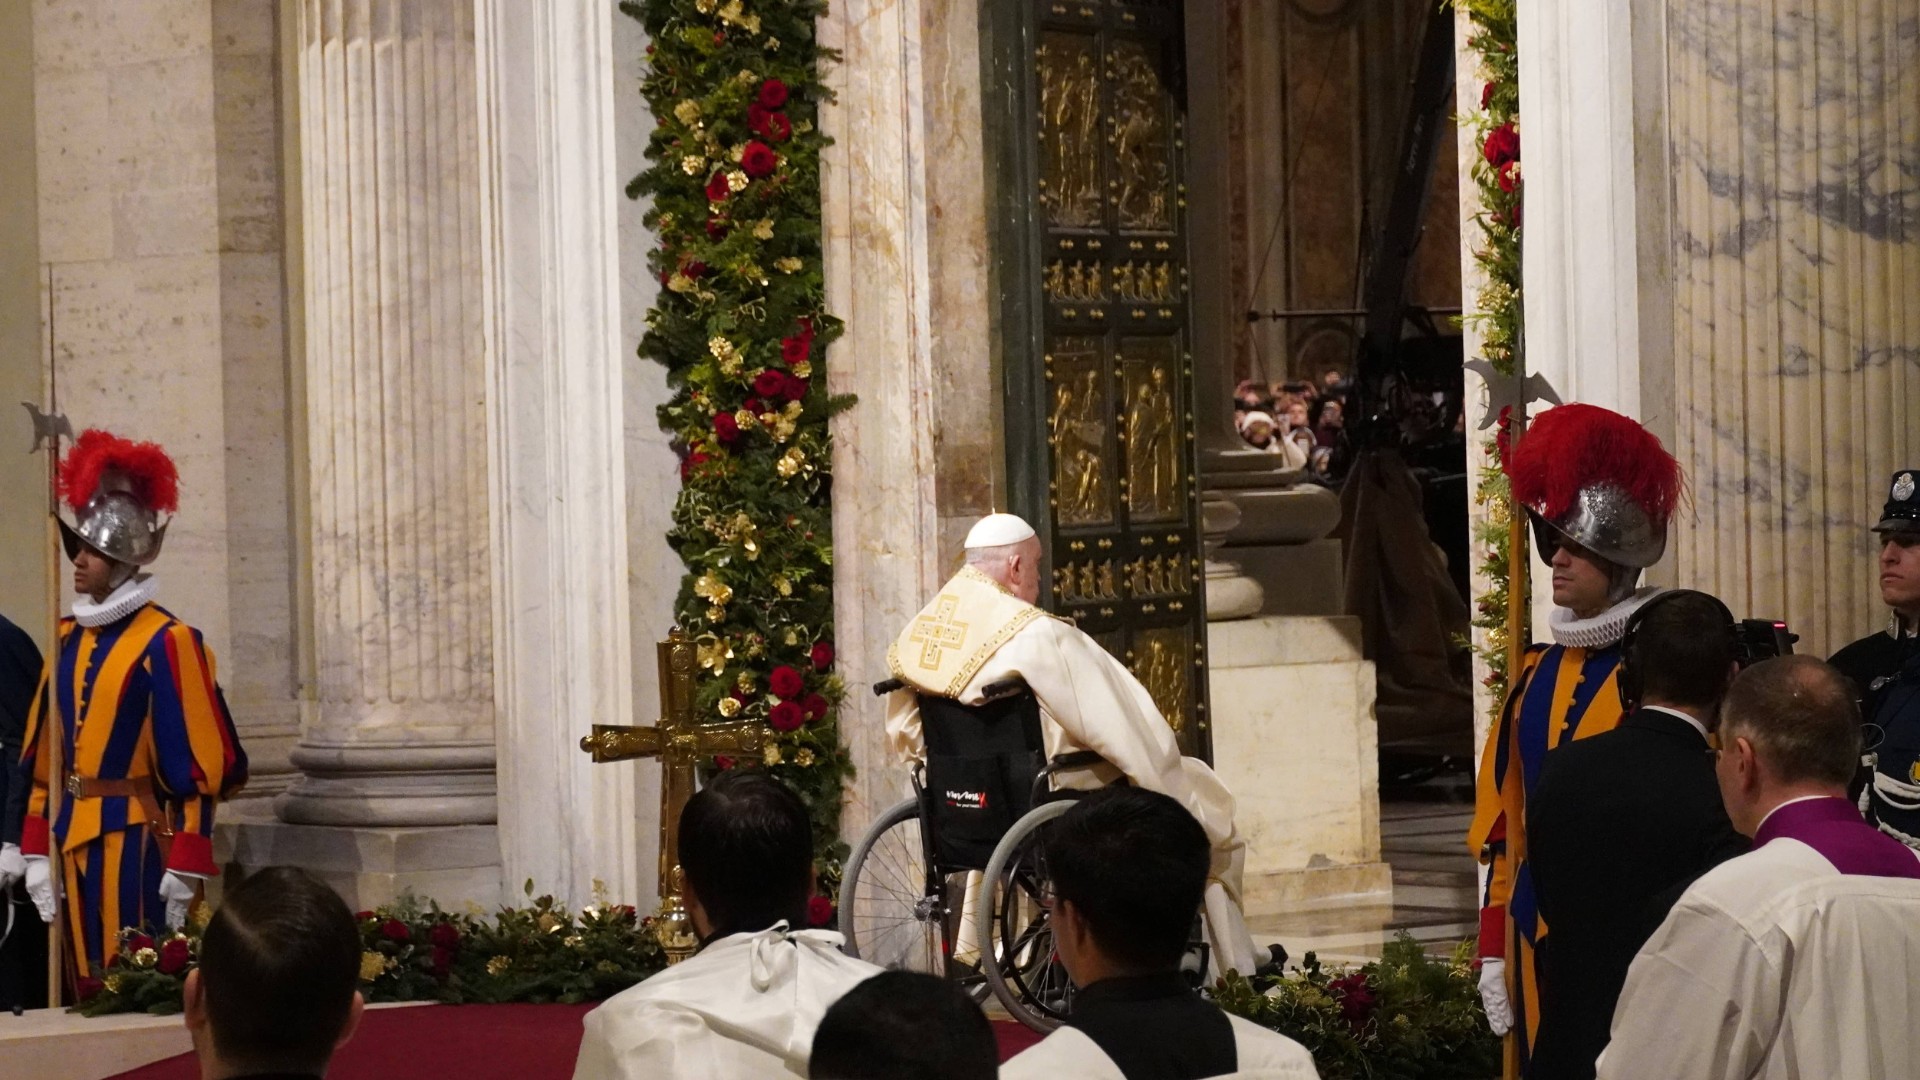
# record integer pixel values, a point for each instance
(953, 881)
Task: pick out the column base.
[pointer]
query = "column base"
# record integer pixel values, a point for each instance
(455, 865)
(391, 786)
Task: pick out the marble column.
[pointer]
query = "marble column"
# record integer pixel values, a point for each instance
(1793, 136)
(1595, 262)
(401, 723)
(886, 528)
(567, 634)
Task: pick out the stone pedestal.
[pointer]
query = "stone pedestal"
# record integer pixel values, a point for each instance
(1294, 740)
(370, 866)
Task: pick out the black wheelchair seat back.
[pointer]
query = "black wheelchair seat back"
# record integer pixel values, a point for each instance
(982, 761)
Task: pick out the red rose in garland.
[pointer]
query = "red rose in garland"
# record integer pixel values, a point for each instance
(785, 682)
(1509, 176)
(758, 159)
(690, 463)
(769, 383)
(725, 428)
(1486, 96)
(174, 956)
(754, 405)
(1503, 145)
(793, 350)
(820, 912)
(723, 762)
(795, 388)
(87, 988)
(779, 128)
(395, 930)
(139, 941)
(821, 655)
(786, 716)
(716, 228)
(773, 94)
(815, 706)
(758, 117)
(445, 935)
(717, 189)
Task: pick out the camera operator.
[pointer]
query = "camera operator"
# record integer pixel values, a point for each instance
(1885, 669)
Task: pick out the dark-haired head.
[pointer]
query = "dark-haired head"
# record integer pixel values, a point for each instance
(277, 987)
(904, 1025)
(1684, 652)
(1128, 869)
(746, 848)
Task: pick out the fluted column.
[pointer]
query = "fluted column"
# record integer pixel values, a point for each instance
(401, 723)
(1795, 131)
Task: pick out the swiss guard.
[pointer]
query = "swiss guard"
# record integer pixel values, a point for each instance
(148, 744)
(1599, 490)
(1885, 667)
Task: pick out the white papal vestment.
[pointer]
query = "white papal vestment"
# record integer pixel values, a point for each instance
(976, 634)
(1776, 966)
(1263, 1054)
(745, 1007)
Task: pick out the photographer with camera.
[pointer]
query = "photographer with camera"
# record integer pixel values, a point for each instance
(1885, 670)
(1620, 824)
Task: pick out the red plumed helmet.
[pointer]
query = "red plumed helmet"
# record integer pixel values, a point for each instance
(141, 469)
(1599, 479)
(118, 489)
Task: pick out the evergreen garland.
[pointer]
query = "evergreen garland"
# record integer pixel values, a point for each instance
(741, 326)
(1497, 309)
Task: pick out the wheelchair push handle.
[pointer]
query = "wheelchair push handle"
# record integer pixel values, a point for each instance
(990, 692)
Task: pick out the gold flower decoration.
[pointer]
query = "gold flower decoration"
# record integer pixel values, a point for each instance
(145, 958)
(787, 265)
(803, 757)
(496, 965)
(692, 164)
(763, 229)
(372, 964)
(711, 588)
(729, 707)
(736, 180)
(687, 112)
(773, 754)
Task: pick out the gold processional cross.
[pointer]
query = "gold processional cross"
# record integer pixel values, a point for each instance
(681, 743)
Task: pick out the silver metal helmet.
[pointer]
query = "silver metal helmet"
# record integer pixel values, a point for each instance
(1606, 522)
(117, 526)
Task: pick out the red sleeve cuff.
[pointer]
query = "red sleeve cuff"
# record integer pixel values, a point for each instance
(33, 835)
(1493, 932)
(192, 854)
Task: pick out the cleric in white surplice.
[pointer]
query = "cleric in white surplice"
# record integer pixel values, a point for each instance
(746, 1005)
(1801, 959)
(983, 628)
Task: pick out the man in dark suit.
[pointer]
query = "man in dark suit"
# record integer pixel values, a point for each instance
(1620, 824)
(23, 938)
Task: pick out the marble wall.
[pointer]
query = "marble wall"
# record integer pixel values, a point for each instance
(157, 146)
(23, 343)
(1795, 141)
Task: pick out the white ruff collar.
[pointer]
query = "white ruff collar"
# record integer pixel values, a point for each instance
(132, 595)
(1602, 630)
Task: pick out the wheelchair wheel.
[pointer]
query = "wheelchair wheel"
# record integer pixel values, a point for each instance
(891, 912)
(1013, 925)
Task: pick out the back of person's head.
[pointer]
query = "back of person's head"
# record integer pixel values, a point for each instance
(1682, 650)
(746, 848)
(1133, 863)
(1800, 716)
(903, 1025)
(279, 973)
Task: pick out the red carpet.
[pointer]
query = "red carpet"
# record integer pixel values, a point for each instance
(474, 1042)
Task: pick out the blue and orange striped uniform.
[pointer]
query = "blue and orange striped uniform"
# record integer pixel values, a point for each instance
(1560, 694)
(138, 700)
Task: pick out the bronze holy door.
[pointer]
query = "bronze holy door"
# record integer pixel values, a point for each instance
(1086, 119)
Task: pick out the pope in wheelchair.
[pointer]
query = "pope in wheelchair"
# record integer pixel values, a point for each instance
(983, 633)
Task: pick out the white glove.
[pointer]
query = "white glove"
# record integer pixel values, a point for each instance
(177, 890)
(1493, 996)
(40, 885)
(13, 866)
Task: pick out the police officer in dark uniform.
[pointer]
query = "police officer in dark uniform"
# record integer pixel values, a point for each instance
(1885, 668)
